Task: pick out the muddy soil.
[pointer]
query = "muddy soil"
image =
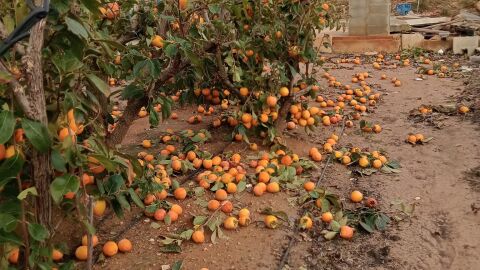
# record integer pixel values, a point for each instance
(441, 233)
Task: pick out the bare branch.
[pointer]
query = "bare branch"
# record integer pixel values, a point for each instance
(18, 92)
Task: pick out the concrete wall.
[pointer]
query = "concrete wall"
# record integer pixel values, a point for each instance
(369, 17)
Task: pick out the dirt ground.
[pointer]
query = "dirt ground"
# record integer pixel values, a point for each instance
(441, 179)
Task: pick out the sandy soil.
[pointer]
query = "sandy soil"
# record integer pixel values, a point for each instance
(441, 178)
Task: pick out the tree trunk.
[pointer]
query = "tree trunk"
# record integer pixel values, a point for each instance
(133, 106)
(129, 115)
(37, 110)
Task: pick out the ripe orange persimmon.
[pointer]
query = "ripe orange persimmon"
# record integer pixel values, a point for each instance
(198, 237)
(273, 187)
(271, 221)
(213, 205)
(346, 232)
(259, 189)
(85, 240)
(177, 209)
(230, 223)
(57, 255)
(227, 207)
(81, 253)
(180, 193)
(124, 245)
(110, 248)
(327, 217)
(356, 196)
(271, 101)
(221, 195)
(309, 186)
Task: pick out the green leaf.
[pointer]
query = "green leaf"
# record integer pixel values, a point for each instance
(241, 186)
(90, 228)
(279, 214)
(132, 91)
(171, 248)
(335, 226)
(70, 265)
(213, 223)
(171, 50)
(177, 265)
(366, 227)
(58, 162)
(38, 135)
(186, 235)
(76, 27)
(199, 220)
(99, 84)
(117, 208)
(10, 238)
(7, 222)
(213, 237)
(7, 126)
(62, 6)
(91, 5)
(135, 198)
(139, 68)
(218, 185)
(66, 62)
(220, 233)
(330, 235)
(122, 200)
(153, 117)
(214, 8)
(5, 76)
(24, 193)
(62, 185)
(113, 43)
(113, 184)
(37, 231)
(393, 164)
(167, 220)
(11, 167)
(106, 162)
(381, 222)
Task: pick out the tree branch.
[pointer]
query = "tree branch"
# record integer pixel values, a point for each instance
(134, 105)
(223, 73)
(18, 92)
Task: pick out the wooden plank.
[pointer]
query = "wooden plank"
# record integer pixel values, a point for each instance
(397, 25)
(427, 21)
(439, 32)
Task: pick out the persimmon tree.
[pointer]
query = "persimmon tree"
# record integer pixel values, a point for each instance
(251, 49)
(57, 129)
